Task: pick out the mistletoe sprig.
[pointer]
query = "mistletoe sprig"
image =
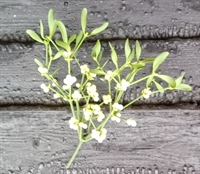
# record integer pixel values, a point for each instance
(90, 119)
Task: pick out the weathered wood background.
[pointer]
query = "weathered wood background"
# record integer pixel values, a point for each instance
(34, 135)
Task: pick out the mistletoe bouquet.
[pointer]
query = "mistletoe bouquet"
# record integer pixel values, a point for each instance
(91, 110)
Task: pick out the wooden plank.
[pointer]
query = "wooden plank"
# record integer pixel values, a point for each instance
(37, 141)
(136, 19)
(20, 80)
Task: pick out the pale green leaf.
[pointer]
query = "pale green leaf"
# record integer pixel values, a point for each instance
(99, 29)
(63, 31)
(184, 87)
(114, 56)
(51, 23)
(38, 63)
(179, 80)
(168, 79)
(34, 36)
(72, 38)
(131, 76)
(78, 38)
(149, 80)
(96, 49)
(50, 18)
(100, 56)
(148, 60)
(58, 54)
(159, 60)
(84, 19)
(63, 45)
(97, 71)
(127, 49)
(137, 65)
(138, 50)
(116, 72)
(158, 86)
(53, 29)
(41, 29)
(131, 56)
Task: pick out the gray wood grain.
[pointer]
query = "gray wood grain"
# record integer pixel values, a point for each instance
(20, 80)
(136, 19)
(38, 141)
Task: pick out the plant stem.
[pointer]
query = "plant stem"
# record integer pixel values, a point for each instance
(72, 108)
(47, 61)
(142, 96)
(137, 81)
(78, 110)
(133, 101)
(74, 155)
(78, 46)
(54, 44)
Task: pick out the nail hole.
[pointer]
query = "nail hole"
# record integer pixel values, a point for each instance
(36, 142)
(65, 3)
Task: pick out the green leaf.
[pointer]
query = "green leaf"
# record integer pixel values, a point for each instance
(41, 29)
(138, 65)
(149, 80)
(127, 49)
(72, 38)
(84, 19)
(58, 54)
(34, 36)
(131, 56)
(168, 79)
(38, 63)
(148, 60)
(63, 31)
(184, 87)
(51, 23)
(159, 60)
(100, 56)
(96, 49)
(116, 72)
(158, 86)
(53, 29)
(63, 45)
(97, 71)
(114, 56)
(78, 38)
(179, 80)
(99, 29)
(50, 19)
(138, 50)
(131, 76)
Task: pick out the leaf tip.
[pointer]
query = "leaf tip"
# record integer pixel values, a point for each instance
(166, 53)
(51, 10)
